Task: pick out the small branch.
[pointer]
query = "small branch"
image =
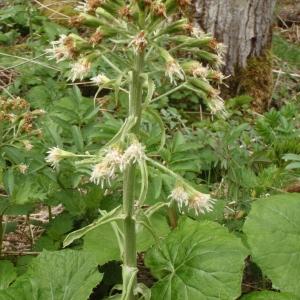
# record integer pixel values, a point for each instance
(19, 253)
(50, 9)
(286, 73)
(29, 60)
(169, 92)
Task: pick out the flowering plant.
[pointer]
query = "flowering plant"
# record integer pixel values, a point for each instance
(142, 42)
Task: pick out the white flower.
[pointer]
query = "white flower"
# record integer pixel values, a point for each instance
(23, 168)
(100, 79)
(27, 145)
(180, 196)
(11, 117)
(219, 61)
(105, 171)
(83, 6)
(197, 32)
(200, 71)
(61, 49)
(88, 5)
(55, 155)
(135, 152)
(139, 42)
(216, 104)
(79, 69)
(221, 49)
(173, 69)
(201, 203)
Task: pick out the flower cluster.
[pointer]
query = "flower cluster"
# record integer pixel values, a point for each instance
(106, 170)
(89, 5)
(100, 79)
(115, 161)
(62, 49)
(139, 42)
(55, 155)
(191, 199)
(79, 69)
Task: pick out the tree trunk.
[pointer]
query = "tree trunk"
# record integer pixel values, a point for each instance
(244, 26)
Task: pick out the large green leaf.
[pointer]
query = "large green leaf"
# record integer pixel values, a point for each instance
(197, 261)
(7, 274)
(273, 234)
(62, 275)
(267, 295)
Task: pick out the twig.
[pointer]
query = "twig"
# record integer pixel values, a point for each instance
(46, 7)
(29, 60)
(19, 253)
(286, 73)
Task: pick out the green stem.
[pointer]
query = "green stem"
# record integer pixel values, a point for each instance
(169, 92)
(1, 233)
(50, 213)
(135, 109)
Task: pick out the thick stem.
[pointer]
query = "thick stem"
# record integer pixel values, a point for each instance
(135, 110)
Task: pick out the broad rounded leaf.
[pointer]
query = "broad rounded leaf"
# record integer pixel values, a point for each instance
(267, 295)
(273, 234)
(62, 275)
(7, 274)
(198, 261)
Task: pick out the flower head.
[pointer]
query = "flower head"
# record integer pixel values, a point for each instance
(96, 38)
(79, 69)
(23, 168)
(194, 31)
(106, 170)
(62, 49)
(196, 69)
(180, 196)
(100, 79)
(221, 49)
(55, 155)
(159, 9)
(201, 203)
(135, 152)
(89, 5)
(216, 104)
(186, 196)
(27, 145)
(139, 42)
(173, 69)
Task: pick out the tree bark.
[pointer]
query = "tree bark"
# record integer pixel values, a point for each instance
(244, 26)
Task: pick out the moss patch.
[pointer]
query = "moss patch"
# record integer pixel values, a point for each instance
(255, 80)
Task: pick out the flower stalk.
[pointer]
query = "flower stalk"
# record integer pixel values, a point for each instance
(135, 110)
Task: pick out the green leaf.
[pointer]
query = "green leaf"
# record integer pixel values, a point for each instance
(7, 274)
(62, 275)
(197, 261)
(291, 156)
(293, 165)
(77, 138)
(113, 215)
(273, 234)
(102, 242)
(27, 192)
(267, 295)
(9, 180)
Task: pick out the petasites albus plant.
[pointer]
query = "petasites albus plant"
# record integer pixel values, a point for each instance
(142, 41)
